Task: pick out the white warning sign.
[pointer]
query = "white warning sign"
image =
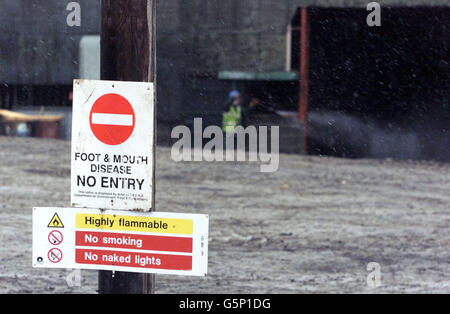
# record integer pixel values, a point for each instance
(112, 145)
(161, 243)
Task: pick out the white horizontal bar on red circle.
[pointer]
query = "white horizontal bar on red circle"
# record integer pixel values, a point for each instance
(112, 119)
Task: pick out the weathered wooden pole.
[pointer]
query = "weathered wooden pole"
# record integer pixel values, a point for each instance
(128, 53)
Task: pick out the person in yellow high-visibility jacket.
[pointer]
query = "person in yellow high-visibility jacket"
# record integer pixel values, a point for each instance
(232, 115)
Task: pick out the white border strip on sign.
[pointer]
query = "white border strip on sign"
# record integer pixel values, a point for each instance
(112, 119)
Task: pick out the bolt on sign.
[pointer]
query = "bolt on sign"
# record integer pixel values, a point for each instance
(161, 243)
(112, 145)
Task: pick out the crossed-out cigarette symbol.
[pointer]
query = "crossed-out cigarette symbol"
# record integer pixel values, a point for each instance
(55, 237)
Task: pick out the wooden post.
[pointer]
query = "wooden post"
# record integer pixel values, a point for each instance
(304, 76)
(128, 53)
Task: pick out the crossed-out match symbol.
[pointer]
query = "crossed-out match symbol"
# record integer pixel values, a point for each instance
(55, 255)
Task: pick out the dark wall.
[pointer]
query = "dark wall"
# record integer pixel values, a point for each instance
(386, 72)
(37, 46)
(387, 86)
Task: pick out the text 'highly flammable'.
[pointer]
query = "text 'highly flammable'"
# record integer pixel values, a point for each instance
(122, 222)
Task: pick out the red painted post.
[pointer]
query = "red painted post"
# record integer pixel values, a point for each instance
(304, 76)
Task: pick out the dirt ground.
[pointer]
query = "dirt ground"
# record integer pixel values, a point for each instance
(311, 227)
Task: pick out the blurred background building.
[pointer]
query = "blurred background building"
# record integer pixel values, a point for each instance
(374, 91)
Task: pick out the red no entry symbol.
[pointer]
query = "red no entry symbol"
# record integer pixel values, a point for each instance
(55, 237)
(55, 255)
(112, 119)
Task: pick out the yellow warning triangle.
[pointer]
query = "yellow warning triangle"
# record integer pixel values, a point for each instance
(55, 222)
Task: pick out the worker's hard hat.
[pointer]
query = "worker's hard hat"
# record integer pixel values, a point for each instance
(233, 94)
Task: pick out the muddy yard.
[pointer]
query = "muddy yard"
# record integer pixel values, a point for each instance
(311, 227)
